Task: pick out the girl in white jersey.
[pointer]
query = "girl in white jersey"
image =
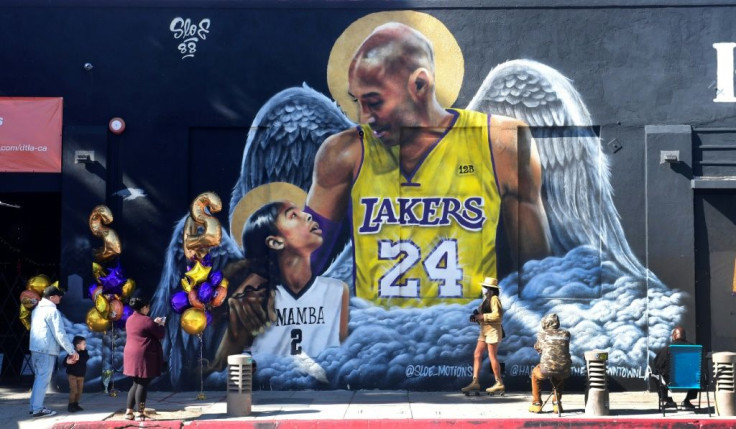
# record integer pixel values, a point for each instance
(308, 313)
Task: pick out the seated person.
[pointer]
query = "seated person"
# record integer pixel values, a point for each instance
(553, 344)
(662, 368)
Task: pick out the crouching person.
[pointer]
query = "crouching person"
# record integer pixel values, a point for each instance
(553, 344)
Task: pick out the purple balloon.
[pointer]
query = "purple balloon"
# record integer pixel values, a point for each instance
(206, 292)
(117, 271)
(179, 302)
(127, 311)
(216, 278)
(207, 260)
(113, 282)
(112, 287)
(91, 290)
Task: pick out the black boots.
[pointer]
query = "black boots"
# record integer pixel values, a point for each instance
(73, 407)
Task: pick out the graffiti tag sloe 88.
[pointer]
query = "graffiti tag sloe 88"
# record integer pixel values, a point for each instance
(189, 33)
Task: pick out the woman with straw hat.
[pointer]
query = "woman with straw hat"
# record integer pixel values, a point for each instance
(489, 316)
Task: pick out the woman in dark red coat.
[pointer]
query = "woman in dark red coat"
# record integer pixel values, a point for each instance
(143, 356)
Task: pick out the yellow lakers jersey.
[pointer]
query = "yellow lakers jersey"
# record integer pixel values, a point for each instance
(426, 236)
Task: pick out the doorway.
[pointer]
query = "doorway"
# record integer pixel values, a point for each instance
(30, 242)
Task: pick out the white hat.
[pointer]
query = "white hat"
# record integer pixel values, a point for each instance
(490, 282)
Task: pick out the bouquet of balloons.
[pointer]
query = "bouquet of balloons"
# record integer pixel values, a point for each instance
(202, 287)
(111, 290)
(30, 297)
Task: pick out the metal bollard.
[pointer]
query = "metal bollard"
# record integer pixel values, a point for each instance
(239, 385)
(596, 402)
(723, 373)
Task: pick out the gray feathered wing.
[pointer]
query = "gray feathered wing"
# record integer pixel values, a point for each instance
(181, 349)
(577, 192)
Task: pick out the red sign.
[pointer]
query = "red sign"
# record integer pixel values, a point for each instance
(30, 134)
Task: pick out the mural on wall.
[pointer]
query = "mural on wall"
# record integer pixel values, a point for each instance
(401, 240)
(413, 237)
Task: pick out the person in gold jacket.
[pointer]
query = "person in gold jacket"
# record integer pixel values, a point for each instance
(553, 345)
(489, 316)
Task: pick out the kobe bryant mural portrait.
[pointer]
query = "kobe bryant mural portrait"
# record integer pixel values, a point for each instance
(365, 220)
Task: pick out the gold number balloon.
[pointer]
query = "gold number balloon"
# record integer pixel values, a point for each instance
(193, 321)
(202, 230)
(95, 321)
(103, 215)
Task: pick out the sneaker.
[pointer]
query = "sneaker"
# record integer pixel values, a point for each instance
(71, 408)
(535, 407)
(44, 412)
(670, 404)
(687, 405)
(77, 407)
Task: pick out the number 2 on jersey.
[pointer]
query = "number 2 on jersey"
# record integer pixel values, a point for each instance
(296, 341)
(441, 265)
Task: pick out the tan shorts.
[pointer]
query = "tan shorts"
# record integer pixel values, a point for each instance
(490, 334)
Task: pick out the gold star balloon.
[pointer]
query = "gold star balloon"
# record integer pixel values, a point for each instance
(197, 274)
(186, 284)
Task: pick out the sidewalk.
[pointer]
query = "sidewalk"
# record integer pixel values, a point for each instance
(351, 409)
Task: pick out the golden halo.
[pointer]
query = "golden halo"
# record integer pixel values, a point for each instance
(448, 58)
(257, 198)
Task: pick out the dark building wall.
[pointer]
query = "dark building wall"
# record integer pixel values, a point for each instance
(187, 118)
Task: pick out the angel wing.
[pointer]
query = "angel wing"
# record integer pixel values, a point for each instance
(284, 138)
(180, 347)
(576, 189)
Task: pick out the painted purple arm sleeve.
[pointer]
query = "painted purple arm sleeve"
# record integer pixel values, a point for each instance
(330, 231)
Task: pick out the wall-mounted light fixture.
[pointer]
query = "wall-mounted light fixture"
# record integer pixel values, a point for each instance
(669, 156)
(84, 157)
(116, 125)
